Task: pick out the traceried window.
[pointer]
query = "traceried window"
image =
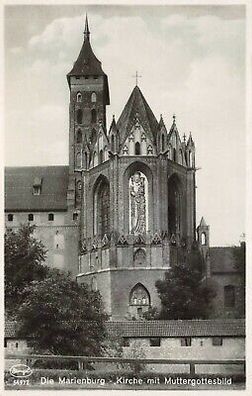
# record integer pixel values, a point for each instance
(103, 208)
(138, 203)
(93, 97)
(139, 296)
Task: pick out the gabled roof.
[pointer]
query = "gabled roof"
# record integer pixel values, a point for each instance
(178, 328)
(19, 182)
(137, 107)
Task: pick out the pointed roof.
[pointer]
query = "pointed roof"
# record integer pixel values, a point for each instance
(190, 140)
(87, 64)
(161, 123)
(202, 222)
(113, 126)
(137, 108)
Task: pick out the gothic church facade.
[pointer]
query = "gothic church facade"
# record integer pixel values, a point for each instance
(117, 216)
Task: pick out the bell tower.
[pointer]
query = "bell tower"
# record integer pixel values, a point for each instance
(89, 96)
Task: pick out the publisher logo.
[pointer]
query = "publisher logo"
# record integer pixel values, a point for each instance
(20, 371)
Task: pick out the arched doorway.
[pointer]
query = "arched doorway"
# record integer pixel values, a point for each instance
(139, 301)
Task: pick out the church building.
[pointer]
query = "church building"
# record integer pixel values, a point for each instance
(117, 216)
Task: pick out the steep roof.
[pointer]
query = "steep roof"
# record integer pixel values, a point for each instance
(19, 182)
(222, 259)
(137, 107)
(202, 222)
(178, 328)
(165, 328)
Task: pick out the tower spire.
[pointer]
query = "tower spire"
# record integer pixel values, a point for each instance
(86, 31)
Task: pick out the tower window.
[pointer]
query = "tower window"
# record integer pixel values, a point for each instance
(93, 97)
(203, 239)
(79, 136)
(93, 115)
(137, 148)
(229, 296)
(30, 217)
(79, 116)
(79, 97)
(51, 217)
(10, 217)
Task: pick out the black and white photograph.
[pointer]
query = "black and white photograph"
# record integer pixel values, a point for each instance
(125, 171)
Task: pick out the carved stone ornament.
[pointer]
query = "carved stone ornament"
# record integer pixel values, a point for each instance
(105, 241)
(139, 240)
(122, 241)
(156, 240)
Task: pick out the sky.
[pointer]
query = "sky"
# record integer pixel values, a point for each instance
(192, 63)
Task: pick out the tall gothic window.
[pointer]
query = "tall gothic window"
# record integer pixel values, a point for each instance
(102, 209)
(138, 203)
(174, 205)
(163, 143)
(139, 296)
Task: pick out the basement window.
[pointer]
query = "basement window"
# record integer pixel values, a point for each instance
(186, 341)
(155, 342)
(217, 341)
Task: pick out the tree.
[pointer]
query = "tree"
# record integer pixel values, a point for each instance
(24, 256)
(63, 317)
(183, 293)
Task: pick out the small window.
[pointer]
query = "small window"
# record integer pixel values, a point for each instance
(101, 156)
(217, 341)
(16, 345)
(30, 217)
(79, 97)
(186, 341)
(93, 97)
(203, 239)
(126, 342)
(137, 148)
(51, 217)
(75, 216)
(10, 217)
(155, 342)
(174, 155)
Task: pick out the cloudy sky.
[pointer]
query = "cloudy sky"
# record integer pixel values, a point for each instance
(192, 63)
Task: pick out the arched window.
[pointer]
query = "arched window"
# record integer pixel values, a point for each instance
(229, 296)
(163, 143)
(203, 239)
(93, 97)
(137, 148)
(101, 156)
(112, 143)
(190, 159)
(93, 136)
(102, 208)
(174, 155)
(105, 153)
(79, 136)
(95, 159)
(93, 116)
(139, 296)
(50, 217)
(139, 258)
(180, 157)
(79, 116)
(79, 97)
